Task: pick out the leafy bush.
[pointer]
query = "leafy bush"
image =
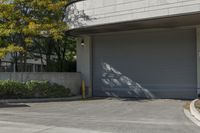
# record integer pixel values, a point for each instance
(44, 89)
(12, 89)
(58, 91)
(38, 89)
(32, 89)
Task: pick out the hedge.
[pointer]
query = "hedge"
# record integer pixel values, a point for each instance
(10, 89)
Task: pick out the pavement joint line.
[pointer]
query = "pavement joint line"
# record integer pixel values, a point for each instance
(49, 128)
(46, 129)
(36, 100)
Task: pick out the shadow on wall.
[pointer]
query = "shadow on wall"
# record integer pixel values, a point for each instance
(117, 84)
(76, 18)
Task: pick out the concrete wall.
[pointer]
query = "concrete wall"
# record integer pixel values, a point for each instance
(97, 12)
(84, 60)
(69, 80)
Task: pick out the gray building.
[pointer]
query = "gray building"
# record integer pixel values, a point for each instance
(8, 64)
(138, 48)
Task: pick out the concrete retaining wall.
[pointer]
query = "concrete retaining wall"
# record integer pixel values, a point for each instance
(69, 80)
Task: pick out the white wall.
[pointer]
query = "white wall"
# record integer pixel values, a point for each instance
(111, 11)
(84, 60)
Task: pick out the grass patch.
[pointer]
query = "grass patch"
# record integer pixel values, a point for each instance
(197, 105)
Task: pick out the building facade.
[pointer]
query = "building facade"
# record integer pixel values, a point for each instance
(138, 48)
(32, 64)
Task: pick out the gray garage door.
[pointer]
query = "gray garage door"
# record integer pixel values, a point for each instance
(158, 64)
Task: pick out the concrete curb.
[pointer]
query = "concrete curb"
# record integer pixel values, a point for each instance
(40, 100)
(194, 111)
(190, 117)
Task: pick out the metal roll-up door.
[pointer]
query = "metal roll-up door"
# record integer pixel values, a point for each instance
(151, 64)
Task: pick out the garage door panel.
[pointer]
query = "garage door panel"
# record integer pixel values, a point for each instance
(159, 64)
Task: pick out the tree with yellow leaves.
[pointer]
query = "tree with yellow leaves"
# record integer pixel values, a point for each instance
(24, 24)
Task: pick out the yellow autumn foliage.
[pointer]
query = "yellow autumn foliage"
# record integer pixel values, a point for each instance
(25, 20)
(10, 49)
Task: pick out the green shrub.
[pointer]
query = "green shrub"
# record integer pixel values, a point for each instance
(12, 89)
(58, 91)
(38, 89)
(44, 89)
(31, 89)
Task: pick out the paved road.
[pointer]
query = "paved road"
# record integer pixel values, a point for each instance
(98, 116)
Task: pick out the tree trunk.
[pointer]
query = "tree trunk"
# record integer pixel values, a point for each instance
(41, 58)
(25, 62)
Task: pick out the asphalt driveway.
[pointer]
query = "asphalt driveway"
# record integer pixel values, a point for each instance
(98, 116)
